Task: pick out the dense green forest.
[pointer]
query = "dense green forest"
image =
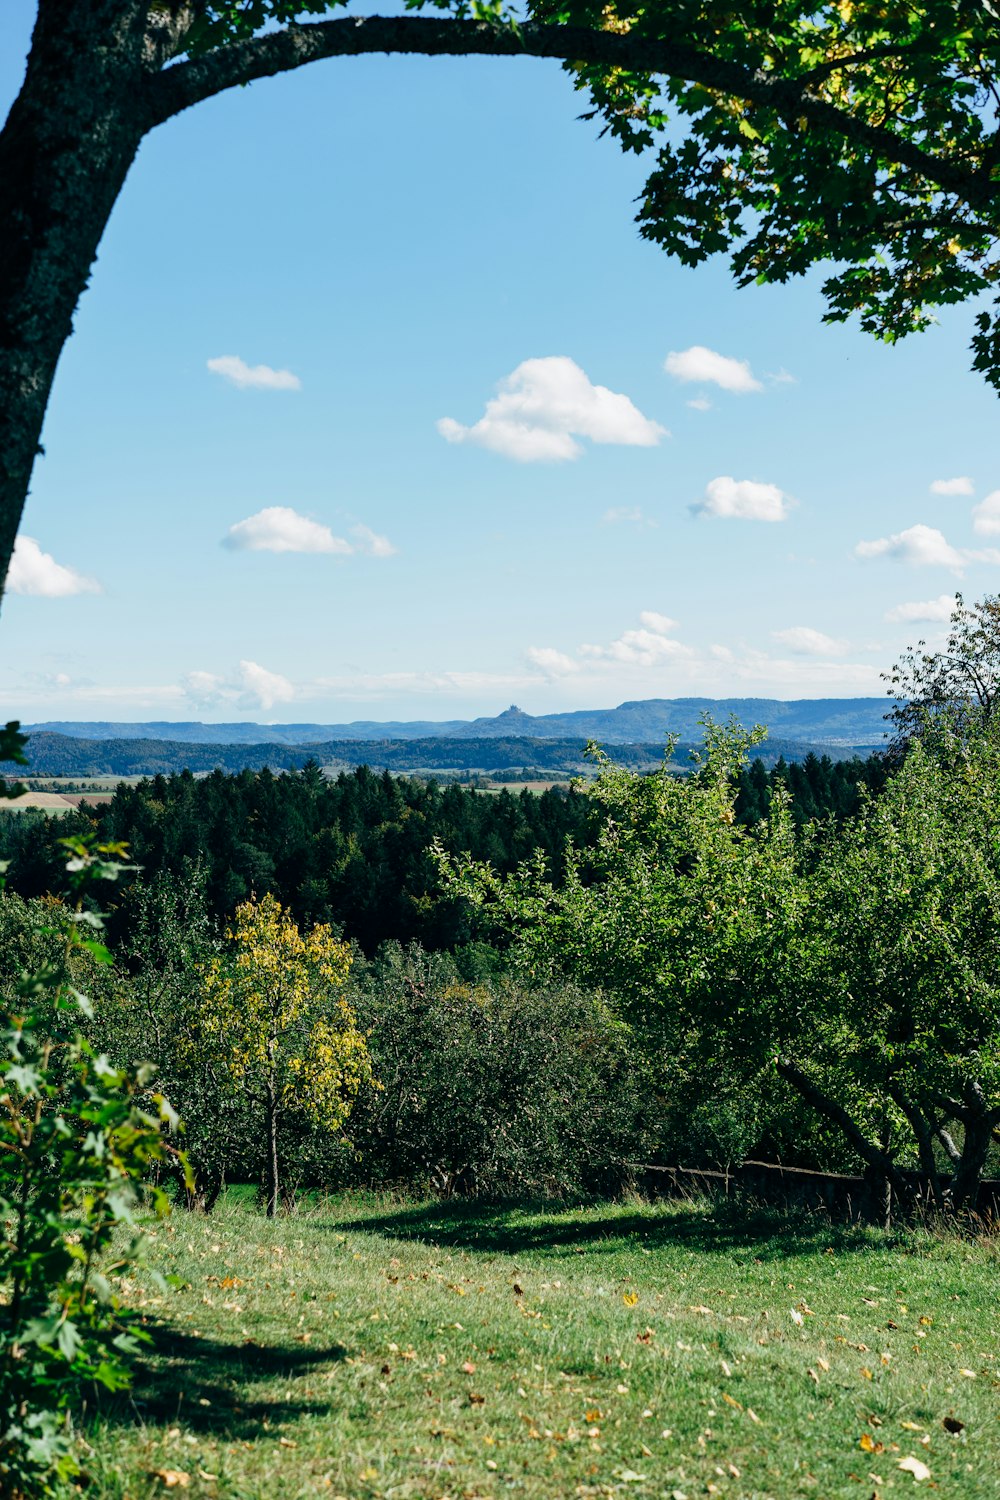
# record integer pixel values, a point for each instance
(54, 754)
(353, 850)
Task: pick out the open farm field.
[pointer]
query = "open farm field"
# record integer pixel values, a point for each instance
(377, 1349)
(54, 802)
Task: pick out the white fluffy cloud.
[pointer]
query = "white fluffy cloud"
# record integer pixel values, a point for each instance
(645, 647)
(252, 687)
(920, 546)
(550, 661)
(33, 571)
(279, 528)
(743, 500)
(706, 367)
(805, 641)
(961, 485)
(253, 377)
(371, 542)
(933, 611)
(662, 624)
(986, 515)
(544, 406)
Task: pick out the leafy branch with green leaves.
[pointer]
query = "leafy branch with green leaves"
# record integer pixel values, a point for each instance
(78, 1137)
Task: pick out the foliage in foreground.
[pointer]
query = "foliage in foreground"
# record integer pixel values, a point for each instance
(77, 1137)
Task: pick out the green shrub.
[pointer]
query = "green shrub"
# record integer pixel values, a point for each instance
(494, 1088)
(77, 1136)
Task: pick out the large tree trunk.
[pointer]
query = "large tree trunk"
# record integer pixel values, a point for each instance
(65, 150)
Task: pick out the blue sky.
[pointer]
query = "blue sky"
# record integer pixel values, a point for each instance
(399, 242)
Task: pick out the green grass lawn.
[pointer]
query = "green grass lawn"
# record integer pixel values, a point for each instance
(369, 1349)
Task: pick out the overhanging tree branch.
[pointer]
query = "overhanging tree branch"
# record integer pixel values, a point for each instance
(186, 83)
(825, 1104)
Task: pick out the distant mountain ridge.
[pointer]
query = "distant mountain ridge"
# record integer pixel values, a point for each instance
(842, 723)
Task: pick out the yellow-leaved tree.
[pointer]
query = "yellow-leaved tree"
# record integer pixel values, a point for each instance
(274, 1009)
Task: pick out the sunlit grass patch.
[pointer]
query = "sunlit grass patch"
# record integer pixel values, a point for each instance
(374, 1349)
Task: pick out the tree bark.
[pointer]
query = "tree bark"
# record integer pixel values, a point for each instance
(880, 1167)
(978, 1121)
(65, 150)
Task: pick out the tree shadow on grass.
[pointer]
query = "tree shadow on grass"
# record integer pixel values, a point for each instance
(746, 1232)
(201, 1384)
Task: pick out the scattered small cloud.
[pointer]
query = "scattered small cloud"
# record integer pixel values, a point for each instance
(662, 624)
(33, 571)
(253, 377)
(705, 366)
(252, 687)
(550, 661)
(781, 377)
(631, 515)
(743, 500)
(920, 546)
(279, 528)
(371, 542)
(645, 647)
(986, 515)
(544, 406)
(959, 486)
(699, 403)
(931, 611)
(804, 641)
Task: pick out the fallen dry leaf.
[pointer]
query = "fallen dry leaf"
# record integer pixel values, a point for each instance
(870, 1445)
(916, 1467)
(469, 1367)
(630, 1298)
(172, 1478)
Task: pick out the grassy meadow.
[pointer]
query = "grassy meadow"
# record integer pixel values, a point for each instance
(370, 1348)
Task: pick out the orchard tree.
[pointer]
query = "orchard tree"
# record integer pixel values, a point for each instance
(273, 1011)
(863, 133)
(956, 688)
(858, 963)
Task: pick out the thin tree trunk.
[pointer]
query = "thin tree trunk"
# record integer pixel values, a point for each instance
(879, 1165)
(924, 1133)
(273, 1179)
